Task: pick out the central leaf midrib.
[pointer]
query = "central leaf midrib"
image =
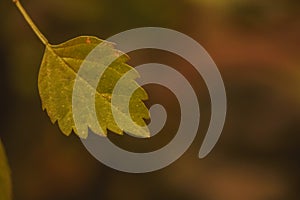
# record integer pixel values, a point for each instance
(73, 71)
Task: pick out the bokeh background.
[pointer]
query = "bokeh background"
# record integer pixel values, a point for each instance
(256, 46)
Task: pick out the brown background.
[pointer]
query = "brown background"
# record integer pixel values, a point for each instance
(256, 47)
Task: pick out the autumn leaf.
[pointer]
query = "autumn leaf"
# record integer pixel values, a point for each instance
(5, 181)
(58, 72)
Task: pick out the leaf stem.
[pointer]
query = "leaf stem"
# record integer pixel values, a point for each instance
(31, 23)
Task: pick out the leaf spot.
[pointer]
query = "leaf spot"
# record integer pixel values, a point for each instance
(88, 40)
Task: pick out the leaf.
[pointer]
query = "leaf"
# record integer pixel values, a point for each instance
(57, 75)
(5, 181)
(58, 72)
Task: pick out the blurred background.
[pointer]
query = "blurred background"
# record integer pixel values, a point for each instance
(256, 46)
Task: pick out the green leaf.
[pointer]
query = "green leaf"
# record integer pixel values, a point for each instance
(57, 76)
(5, 181)
(58, 72)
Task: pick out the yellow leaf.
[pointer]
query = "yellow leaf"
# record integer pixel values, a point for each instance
(57, 75)
(5, 181)
(58, 72)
